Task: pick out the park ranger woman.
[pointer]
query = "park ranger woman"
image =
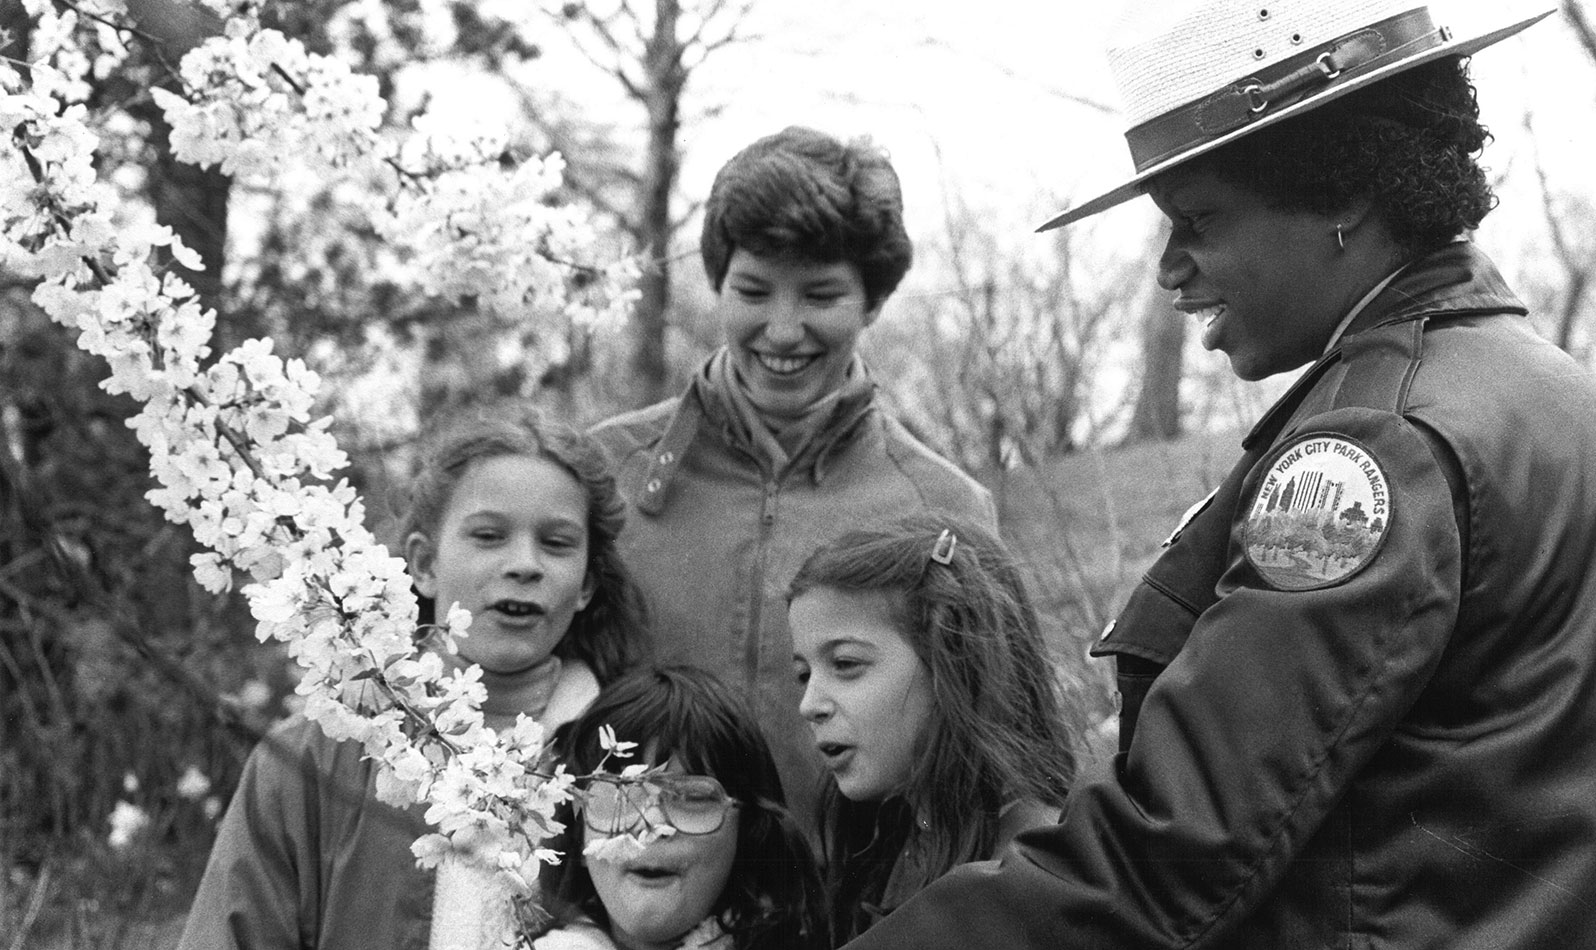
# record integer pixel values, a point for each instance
(1360, 684)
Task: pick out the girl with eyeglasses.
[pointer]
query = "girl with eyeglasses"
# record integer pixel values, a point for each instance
(733, 872)
(930, 694)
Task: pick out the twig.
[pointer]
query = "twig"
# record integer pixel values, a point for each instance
(1574, 15)
(18, 563)
(130, 634)
(103, 20)
(41, 888)
(36, 169)
(156, 44)
(105, 276)
(293, 83)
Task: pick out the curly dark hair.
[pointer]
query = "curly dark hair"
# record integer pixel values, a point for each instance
(773, 899)
(1408, 143)
(1001, 727)
(610, 633)
(803, 193)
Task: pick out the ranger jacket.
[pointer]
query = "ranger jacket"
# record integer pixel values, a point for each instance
(1360, 684)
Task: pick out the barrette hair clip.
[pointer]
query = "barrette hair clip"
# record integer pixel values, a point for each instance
(942, 551)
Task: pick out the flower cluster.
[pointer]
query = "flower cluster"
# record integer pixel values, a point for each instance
(233, 447)
(466, 222)
(477, 226)
(62, 64)
(257, 101)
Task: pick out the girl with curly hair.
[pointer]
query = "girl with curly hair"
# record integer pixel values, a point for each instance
(514, 517)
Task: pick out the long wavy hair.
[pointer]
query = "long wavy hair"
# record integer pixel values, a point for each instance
(773, 898)
(610, 633)
(1000, 727)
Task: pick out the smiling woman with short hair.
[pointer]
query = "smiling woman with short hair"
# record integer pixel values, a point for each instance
(778, 443)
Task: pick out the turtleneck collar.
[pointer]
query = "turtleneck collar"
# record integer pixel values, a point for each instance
(783, 441)
(527, 691)
(510, 694)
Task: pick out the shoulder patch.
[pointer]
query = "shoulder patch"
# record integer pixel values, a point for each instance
(1319, 515)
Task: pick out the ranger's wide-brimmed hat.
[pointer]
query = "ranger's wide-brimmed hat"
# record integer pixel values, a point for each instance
(1196, 74)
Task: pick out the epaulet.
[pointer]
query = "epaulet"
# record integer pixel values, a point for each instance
(1378, 365)
(666, 455)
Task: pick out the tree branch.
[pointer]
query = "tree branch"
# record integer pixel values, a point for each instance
(1575, 271)
(1014, 74)
(1574, 14)
(632, 17)
(618, 50)
(116, 616)
(733, 33)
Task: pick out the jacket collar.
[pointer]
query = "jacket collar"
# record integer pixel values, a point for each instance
(1456, 281)
(669, 452)
(701, 406)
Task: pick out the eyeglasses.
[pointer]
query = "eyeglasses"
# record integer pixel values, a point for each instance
(691, 804)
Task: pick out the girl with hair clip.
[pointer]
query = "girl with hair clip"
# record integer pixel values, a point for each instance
(514, 518)
(931, 697)
(735, 873)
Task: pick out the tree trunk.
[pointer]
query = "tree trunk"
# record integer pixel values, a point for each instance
(192, 201)
(189, 200)
(1157, 415)
(664, 91)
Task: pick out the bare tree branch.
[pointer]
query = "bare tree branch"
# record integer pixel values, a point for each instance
(1011, 73)
(619, 52)
(693, 207)
(1574, 15)
(589, 178)
(653, 57)
(733, 32)
(638, 32)
(1575, 265)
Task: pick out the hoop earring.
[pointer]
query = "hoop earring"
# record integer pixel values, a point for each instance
(1341, 239)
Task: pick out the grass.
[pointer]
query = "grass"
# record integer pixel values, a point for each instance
(1088, 525)
(89, 896)
(1092, 522)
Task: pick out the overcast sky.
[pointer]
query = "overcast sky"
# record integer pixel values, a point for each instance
(1008, 106)
(1002, 101)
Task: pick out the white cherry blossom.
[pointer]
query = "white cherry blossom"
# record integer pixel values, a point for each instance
(234, 448)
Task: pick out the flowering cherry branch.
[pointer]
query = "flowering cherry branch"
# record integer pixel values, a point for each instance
(233, 448)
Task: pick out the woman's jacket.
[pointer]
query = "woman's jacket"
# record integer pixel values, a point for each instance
(714, 536)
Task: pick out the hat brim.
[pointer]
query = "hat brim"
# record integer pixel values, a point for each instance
(1137, 185)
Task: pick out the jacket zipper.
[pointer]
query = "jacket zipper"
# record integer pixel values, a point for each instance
(756, 608)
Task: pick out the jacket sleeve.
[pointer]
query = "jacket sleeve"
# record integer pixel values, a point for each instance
(251, 895)
(1244, 744)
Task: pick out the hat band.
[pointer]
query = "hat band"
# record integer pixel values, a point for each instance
(1285, 83)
